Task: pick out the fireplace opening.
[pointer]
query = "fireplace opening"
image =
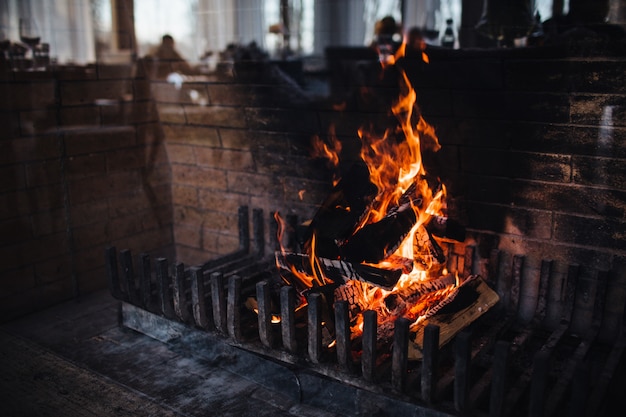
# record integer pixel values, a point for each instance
(496, 364)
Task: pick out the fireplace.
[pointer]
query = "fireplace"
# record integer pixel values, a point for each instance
(500, 364)
(530, 149)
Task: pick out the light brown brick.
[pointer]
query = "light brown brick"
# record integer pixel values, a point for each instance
(183, 154)
(187, 235)
(185, 196)
(249, 183)
(224, 202)
(216, 116)
(171, 113)
(225, 159)
(189, 216)
(221, 222)
(200, 177)
(192, 135)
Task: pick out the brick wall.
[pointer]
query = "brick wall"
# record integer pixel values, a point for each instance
(240, 137)
(82, 167)
(533, 146)
(533, 150)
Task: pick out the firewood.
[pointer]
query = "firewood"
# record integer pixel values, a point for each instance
(340, 271)
(470, 300)
(445, 227)
(415, 290)
(353, 293)
(337, 217)
(377, 241)
(427, 253)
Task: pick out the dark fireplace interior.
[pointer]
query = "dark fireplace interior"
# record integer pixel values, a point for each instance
(144, 208)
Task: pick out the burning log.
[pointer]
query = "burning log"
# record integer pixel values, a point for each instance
(445, 227)
(376, 241)
(340, 271)
(339, 214)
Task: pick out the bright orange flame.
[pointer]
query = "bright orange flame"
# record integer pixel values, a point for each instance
(394, 161)
(318, 273)
(280, 231)
(329, 150)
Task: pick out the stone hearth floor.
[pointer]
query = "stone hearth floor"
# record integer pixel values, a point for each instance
(75, 360)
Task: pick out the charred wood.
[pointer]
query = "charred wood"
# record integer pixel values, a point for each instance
(445, 227)
(340, 271)
(377, 241)
(339, 214)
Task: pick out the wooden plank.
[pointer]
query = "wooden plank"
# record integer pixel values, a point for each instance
(340, 271)
(452, 320)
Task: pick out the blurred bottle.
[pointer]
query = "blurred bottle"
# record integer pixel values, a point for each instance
(447, 41)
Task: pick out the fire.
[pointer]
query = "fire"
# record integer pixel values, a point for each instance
(394, 162)
(329, 150)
